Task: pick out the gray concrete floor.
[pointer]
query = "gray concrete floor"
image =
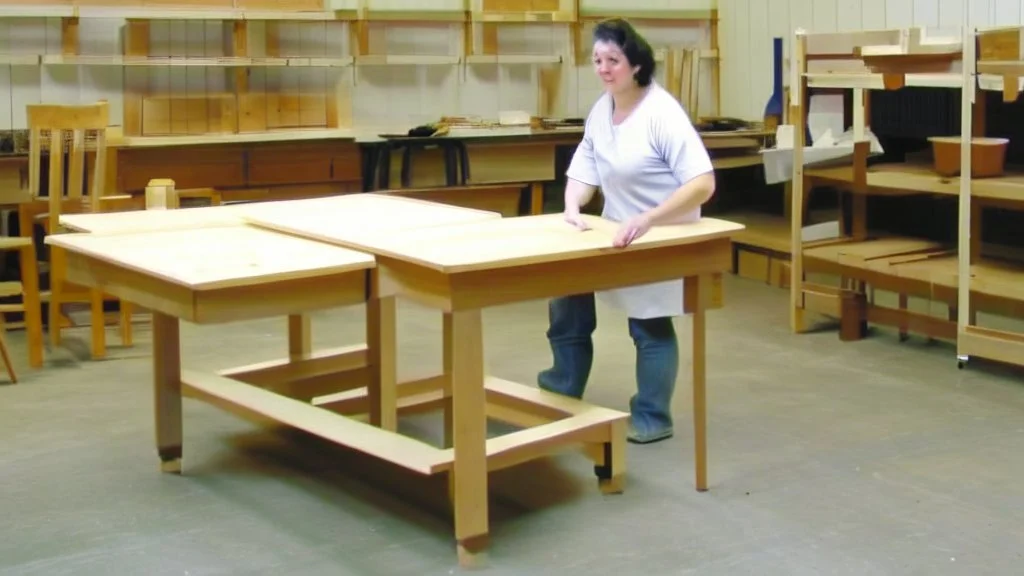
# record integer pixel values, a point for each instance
(874, 457)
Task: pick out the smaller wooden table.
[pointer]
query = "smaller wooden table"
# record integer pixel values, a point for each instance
(461, 269)
(218, 275)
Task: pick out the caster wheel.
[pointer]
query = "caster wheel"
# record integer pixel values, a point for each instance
(961, 362)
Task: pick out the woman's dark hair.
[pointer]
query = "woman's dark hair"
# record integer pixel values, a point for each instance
(633, 45)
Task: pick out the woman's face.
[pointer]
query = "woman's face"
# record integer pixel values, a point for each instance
(612, 67)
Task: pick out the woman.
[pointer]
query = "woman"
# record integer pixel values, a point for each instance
(640, 148)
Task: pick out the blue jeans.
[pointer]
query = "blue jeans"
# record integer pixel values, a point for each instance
(573, 320)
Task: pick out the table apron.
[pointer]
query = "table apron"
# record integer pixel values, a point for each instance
(505, 285)
(221, 305)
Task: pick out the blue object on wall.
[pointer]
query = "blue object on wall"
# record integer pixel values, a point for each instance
(774, 106)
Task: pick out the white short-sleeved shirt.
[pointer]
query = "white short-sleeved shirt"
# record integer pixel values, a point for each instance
(639, 164)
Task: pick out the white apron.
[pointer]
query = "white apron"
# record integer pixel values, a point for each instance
(643, 301)
(638, 165)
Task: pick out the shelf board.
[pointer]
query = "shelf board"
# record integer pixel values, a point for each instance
(513, 59)
(168, 13)
(413, 15)
(510, 17)
(213, 62)
(876, 81)
(1001, 67)
(995, 83)
(20, 59)
(406, 60)
(308, 16)
(669, 15)
(894, 178)
(35, 11)
(998, 345)
(925, 261)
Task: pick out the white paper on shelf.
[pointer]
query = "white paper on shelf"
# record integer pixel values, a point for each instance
(825, 151)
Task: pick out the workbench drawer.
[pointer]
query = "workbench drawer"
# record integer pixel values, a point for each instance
(289, 165)
(189, 168)
(347, 164)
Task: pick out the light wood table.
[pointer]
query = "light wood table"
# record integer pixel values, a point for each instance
(461, 269)
(218, 275)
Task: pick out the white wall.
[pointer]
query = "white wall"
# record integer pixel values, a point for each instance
(747, 27)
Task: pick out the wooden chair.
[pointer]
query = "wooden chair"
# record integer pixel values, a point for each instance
(66, 196)
(30, 307)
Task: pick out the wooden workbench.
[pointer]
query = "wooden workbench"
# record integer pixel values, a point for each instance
(303, 163)
(462, 269)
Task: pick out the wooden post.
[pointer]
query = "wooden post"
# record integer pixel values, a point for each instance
(797, 88)
(964, 237)
(161, 195)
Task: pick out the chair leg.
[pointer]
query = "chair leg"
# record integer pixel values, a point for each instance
(6, 355)
(33, 305)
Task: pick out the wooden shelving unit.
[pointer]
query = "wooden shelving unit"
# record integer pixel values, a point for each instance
(257, 80)
(865, 260)
(967, 276)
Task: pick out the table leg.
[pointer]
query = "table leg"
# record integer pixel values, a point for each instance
(381, 344)
(536, 198)
(446, 332)
(699, 375)
(167, 390)
(300, 337)
(469, 432)
(98, 324)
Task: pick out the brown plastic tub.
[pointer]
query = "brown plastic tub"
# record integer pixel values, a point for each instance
(988, 155)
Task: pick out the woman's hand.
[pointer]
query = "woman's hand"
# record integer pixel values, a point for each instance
(632, 229)
(573, 217)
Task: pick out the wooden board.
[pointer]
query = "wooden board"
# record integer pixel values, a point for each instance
(213, 258)
(357, 218)
(506, 242)
(151, 220)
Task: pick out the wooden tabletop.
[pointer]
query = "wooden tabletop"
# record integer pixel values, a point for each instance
(359, 213)
(212, 258)
(149, 220)
(498, 243)
(355, 219)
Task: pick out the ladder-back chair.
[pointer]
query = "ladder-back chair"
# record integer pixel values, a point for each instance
(68, 128)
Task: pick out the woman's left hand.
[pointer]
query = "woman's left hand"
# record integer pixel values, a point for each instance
(631, 229)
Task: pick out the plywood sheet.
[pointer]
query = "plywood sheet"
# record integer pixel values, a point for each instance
(212, 258)
(495, 243)
(353, 219)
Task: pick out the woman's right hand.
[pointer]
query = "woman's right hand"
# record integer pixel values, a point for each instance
(574, 218)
